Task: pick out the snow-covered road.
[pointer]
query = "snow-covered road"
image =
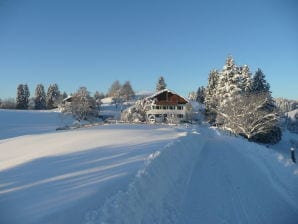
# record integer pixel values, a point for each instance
(227, 186)
(208, 178)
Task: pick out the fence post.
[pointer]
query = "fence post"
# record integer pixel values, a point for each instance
(293, 155)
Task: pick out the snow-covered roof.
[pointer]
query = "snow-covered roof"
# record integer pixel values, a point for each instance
(67, 99)
(293, 114)
(165, 90)
(107, 100)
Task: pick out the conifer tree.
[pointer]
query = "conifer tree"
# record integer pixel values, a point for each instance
(126, 91)
(40, 97)
(200, 95)
(53, 96)
(259, 83)
(161, 84)
(22, 98)
(211, 101)
(114, 90)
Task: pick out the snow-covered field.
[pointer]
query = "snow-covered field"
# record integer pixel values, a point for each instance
(141, 174)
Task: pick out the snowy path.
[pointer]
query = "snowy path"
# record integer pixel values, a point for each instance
(228, 187)
(208, 178)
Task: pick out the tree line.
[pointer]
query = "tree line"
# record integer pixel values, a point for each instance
(51, 98)
(240, 102)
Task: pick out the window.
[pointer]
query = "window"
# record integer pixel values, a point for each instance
(180, 107)
(180, 115)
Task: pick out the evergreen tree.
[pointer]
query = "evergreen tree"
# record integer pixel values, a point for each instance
(211, 101)
(259, 83)
(200, 96)
(246, 79)
(98, 96)
(229, 82)
(27, 95)
(40, 97)
(53, 96)
(64, 95)
(114, 90)
(161, 84)
(22, 99)
(261, 86)
(126, 91)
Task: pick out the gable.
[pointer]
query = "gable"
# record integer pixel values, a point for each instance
(168, 98)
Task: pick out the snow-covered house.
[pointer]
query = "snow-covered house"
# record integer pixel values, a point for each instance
(166, 106)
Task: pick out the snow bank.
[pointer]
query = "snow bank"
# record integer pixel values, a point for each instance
(206, 178)
(149, 198)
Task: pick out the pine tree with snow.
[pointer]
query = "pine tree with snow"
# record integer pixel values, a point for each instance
(200, 95)
(247, 81)
(259, 83)
(64, 95)
(40, 97)
(211, 100)
(161, 84)
(53, 96)
(22, 98)
(126, 91)
(229, 82)
(114, 90)
(26, 95)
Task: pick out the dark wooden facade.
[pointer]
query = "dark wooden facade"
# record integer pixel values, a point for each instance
(169, 98)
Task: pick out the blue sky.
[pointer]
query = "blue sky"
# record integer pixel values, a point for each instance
(94, 42)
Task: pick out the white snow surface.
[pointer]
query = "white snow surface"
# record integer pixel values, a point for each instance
(24, 122)
(142, 174)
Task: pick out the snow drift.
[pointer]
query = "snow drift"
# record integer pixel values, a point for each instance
(207, 178)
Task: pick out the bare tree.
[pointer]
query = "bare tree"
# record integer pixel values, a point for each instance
(245, 115)
(82, 105)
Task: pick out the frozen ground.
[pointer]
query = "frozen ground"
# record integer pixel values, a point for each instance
(142, 174)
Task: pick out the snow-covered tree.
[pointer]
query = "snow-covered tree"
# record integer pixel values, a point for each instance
(23, 95)
(259, 83)
(246, 79)
(192, 96)
(126, 91)
(40, 97)
(189, 115)
(286, 105)
(64, 95)
(9, 103)
(114, 90)
(211, 100)
(200, 95)
(245, 115)
(98, 96)
(53, 97)
(229, 82)
(137, 112)
(161, 84)
(83, 105)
